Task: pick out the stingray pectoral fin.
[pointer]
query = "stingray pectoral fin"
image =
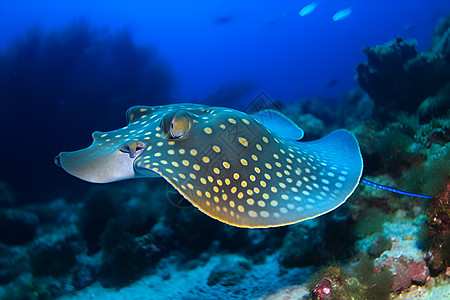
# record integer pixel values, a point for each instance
(98, 164)
(279, 124)
(338, 167)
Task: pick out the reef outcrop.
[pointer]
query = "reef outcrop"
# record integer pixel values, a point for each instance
(398, 77)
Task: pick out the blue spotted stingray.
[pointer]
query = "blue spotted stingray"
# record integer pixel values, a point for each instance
(244, 170)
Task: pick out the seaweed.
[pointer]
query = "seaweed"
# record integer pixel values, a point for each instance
(380, 245)
(378, 284)
(370, 221)
(432, 178)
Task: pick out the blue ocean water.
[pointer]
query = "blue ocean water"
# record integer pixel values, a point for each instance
(69, 68)
(211, 43)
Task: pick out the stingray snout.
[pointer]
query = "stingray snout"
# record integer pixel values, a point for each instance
(57, 161)
(133, 148)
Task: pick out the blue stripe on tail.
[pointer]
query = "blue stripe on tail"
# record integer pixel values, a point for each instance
(383, 187)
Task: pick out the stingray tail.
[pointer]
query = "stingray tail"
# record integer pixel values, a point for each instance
(383, 187)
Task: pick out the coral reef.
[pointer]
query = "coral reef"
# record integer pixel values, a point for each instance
(397, 77)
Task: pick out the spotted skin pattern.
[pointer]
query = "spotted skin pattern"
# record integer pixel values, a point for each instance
(228, 164)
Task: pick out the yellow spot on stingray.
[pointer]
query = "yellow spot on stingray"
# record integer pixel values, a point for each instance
(216, 199)
(208, 203)
(263, 183)
(226, 165)
(232, 121)
(241, 208)
(279, 174)
(216, 149)
(233, 189)
(257, 170)
(240, 195)
(278, 164)
(199, 193)
(222, 126)
(250, 192)
(207, 130)
(185, 162)
(256, 190)
(192, 176)
(258, 146)
(164, 162)
(265, 140)
(208, 194)
(190, 186)
(244, 162)
(268, 166)
(232, 203)
(175, 164)
(171, 143)
(227, 181)
(252, 177)
(244, 183)
(182, 176)
(193, 152)
(273, 189)
(224, 197)
(250, 201)
(265, 196)
(205, 159)
(236, 176)
(276, 156)
(219, 182)
(196, 167)
(246, 121)
(254, 157)
(157, 154)
(159, 144)
(216, 189)
(171, 152)
(267, 176)
(203, 180)
(216, 170)
(261, 203)
(282, 185)
(243, 141)
(273, 203)
(181, 151)
(264, 214)
(252, 214)
(210, 179)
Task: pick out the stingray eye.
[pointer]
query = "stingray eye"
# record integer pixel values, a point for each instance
(176, 125)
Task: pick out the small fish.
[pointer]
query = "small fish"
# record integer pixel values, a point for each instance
(342, 14)
(332, 83)
(308, 9)
(244, 170)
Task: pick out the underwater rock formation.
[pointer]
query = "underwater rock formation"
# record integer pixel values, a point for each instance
(398, 77)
